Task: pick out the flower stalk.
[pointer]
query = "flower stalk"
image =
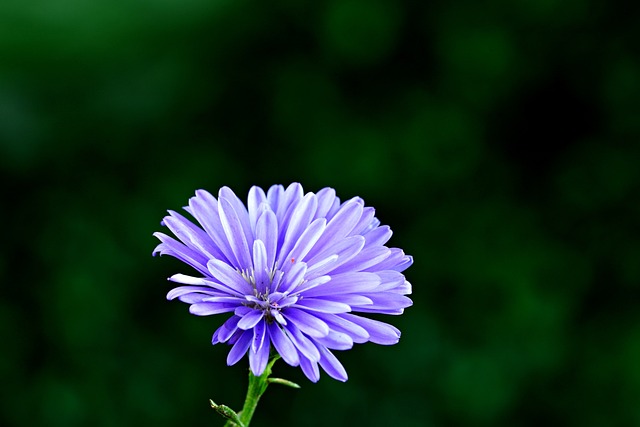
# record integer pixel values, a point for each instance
(257, 387)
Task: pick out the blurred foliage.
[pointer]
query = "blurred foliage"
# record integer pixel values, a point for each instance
(499, 140)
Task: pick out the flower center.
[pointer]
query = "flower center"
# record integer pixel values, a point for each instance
(271, 303)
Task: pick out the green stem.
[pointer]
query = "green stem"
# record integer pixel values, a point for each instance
(257, 386)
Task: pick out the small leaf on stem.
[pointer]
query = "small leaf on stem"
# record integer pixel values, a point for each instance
(226, 412)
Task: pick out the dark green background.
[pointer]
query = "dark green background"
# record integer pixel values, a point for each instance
(498, 139)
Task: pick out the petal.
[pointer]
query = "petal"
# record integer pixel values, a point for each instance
(307, 323)
(368, 257)
(274, 196)
(310, 369)
(209, 308)
(184, 290)
(189, 280)
(365, 221)
(389, 280)
(259, 352)
(396, 260)
(388, 302)
(331, 365)
(191, 235)
(225, 274)
(303, 344)
(336, 341)
(345, 249)
(260, 269)
(306, 241)
(172, 247)
(283, 344)
(300, 218)
(233, 229)
(228, 328)
(267, 232)
(338, 324)
(250, 319)
(204, 208)
(325, 306)
(346, 283)
(326, 198)
(349, 299)
(293, 278)
(320, 268)
(378, 236)
(310, 284)
(260, 336)
(287, 202)
(379, 332)
(255, 199)
(339, 226)
(240, 348)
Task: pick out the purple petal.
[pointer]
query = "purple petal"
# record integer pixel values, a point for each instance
(259, 354)
(172, 247)
(278, 316)
(250, 319)
(204, 208)
(209, 308)
(346, 283)
(274, 196)
(307, 323)
(325, 306)
(306, 241)
(303, 344)
(379, 332)
(191, 235)
(368, 257)
(365, 221)
(287, 202)
(188, 280)
(310, 284)
(283, 345)
(396, 260)
(260, 337)
(385, 301)
(406, 262)
(345, 249)
(339, 226)
(225, 274)
(310, 369)
(184, 290)
(227, 194)
(233, 229)
(389, 280)
(339, 324)
(294, 277)
(378, 236)
(227, 299)
(192, 298)
(299, 222)
(325, 197)
(267, 232)
(240, 348)
(349, 299)
(321, 267)
(255, 199)
(261, 271)
(331, 365)
(228, 328)
(336, 341)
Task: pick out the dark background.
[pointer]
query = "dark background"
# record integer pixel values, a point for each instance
(498, 139)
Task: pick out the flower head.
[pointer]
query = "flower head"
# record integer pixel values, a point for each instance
(292, 269)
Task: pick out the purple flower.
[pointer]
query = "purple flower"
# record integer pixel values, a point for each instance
(292, 269)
